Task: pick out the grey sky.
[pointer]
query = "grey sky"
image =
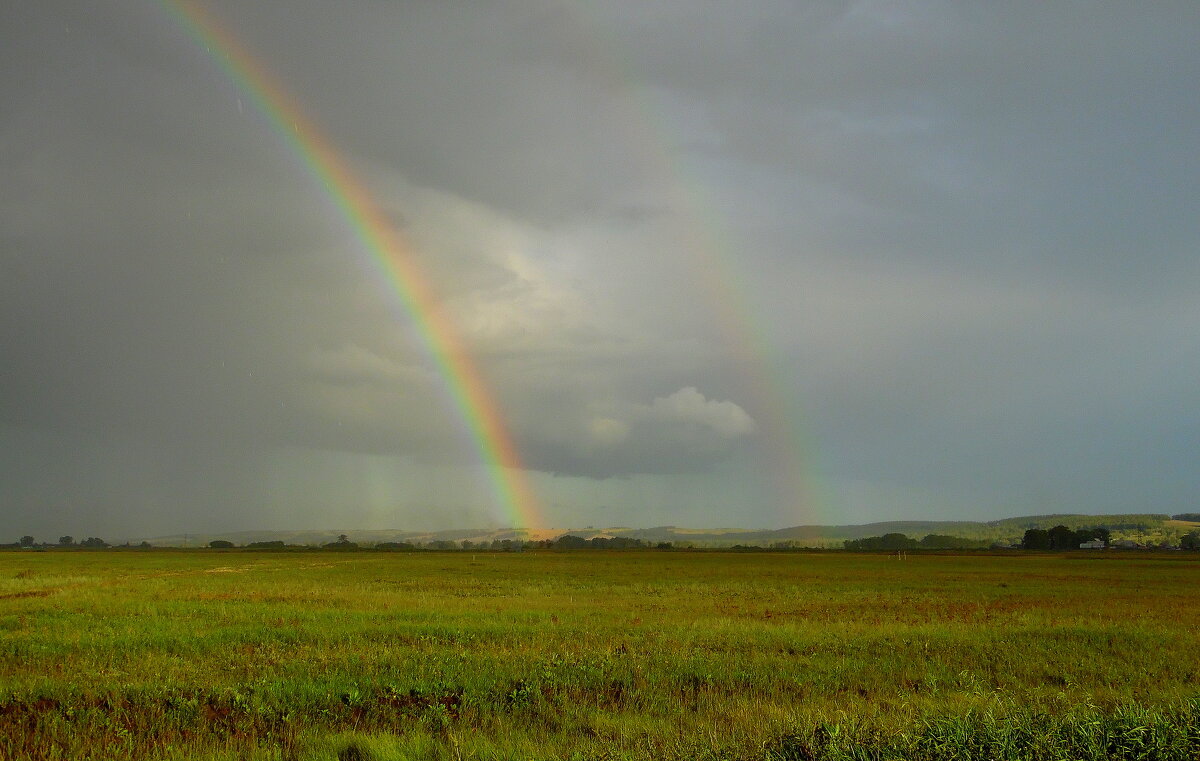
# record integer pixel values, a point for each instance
(928, 260)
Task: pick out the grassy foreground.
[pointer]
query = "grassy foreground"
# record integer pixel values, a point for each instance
(624, 655)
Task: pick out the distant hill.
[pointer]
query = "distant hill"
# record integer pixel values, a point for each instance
(364, 537)
(1004, 531)
(1128, 521)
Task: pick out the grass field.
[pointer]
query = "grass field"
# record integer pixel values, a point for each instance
(624, 655)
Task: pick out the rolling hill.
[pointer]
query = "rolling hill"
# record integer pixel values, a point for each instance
(1004, 531)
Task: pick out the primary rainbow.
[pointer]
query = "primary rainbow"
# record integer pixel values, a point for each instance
(395, 259)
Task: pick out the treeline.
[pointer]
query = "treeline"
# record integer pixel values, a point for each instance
(1115, 522)
(1059, 537)
(68, 542)
(1062, 538)
(565, 542)
(895, 542)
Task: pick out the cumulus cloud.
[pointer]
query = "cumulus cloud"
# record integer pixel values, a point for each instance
(682, 432)
(687, 405)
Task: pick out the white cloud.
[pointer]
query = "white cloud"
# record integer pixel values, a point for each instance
(688, 405)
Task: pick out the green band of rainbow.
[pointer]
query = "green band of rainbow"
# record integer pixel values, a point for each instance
(395, 259)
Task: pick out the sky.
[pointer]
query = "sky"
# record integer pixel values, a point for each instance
(752, 264)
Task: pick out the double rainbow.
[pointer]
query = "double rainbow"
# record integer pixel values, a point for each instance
(394, 258)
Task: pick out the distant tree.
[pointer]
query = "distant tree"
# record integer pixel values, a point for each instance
(1189, 517)
(1036, 539)
(896, 541)
(66, 541)
(343, 543)
(145, 545)
(891, 542)
(570, 542)
(628, 543)
(947, 542)
(220, 544)
(395, 546)
(467, 544)
(274, 544)
(94, 541)
(1190, 541)
(1063, 538)
(1090, 535)
(27, 541)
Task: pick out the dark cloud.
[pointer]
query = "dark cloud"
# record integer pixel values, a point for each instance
(944, 252)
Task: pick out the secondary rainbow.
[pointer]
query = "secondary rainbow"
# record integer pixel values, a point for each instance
(391, 254)
(791, 452)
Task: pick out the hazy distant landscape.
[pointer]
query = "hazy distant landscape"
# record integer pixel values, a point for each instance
(1145, 528)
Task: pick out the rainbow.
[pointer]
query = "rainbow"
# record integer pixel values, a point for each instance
(790, 459)
(395, 259)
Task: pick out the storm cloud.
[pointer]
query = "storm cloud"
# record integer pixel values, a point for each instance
(953, 250)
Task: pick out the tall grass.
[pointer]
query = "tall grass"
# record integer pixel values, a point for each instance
(1018, 733)
(594, 655)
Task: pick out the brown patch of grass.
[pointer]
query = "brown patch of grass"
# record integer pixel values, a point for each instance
(28, 593)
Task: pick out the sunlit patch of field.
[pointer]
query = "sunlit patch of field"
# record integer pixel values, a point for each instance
(1182, 525)
(592, 654)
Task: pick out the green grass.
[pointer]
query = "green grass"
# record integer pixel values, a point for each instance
(589, 654)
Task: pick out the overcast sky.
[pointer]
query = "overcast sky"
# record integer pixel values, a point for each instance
(721, 264)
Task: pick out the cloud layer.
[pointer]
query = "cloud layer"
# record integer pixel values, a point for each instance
(901, 249)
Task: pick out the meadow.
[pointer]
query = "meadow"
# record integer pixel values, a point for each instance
(598, 654)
